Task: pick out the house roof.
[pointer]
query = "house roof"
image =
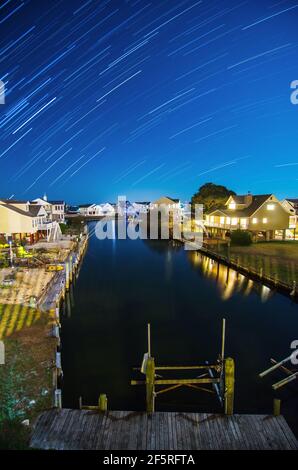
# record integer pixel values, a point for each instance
(166, 199)
(293, 201)
(174, 200)
(13, 201)
(40, 201)
(257, 202)
(238, 199)
(145, 203)
(17, 210)
(34, 209)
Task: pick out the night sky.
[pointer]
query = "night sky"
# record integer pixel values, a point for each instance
(147, 98)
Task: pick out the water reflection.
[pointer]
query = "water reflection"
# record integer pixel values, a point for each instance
(228, 280)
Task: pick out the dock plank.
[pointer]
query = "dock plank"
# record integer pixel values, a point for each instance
(113, 430)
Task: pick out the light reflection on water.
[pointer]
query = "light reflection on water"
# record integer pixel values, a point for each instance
(227, 280)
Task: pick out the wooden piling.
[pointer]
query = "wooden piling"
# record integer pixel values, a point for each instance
(103, 402)
(229, 385)
(276, 407)
(150, 390)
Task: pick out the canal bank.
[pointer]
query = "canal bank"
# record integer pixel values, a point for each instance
(31, 339)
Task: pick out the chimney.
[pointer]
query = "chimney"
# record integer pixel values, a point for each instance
(45, 197)
(248, 198)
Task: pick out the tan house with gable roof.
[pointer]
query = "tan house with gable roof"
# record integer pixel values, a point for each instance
(22, 221)
(263, 215)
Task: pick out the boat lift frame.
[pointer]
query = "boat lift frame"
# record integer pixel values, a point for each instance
(221, 377)
(291, 375)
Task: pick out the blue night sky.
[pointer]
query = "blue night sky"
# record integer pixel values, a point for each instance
(147, 98)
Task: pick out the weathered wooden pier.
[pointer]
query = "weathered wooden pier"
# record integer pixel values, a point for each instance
(68, 429)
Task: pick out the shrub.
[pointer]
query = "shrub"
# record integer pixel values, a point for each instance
(14, 435)
(241, 238)
(63, 228)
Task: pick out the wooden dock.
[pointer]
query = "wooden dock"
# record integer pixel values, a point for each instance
(68, 429)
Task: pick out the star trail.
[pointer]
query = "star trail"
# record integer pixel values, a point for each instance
(146, 97)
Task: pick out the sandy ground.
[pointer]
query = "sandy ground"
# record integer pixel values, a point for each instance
(33, 281)
(28, 282)
(52, 251)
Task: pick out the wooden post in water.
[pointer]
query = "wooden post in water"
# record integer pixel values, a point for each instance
(67, 275)
(150, 375)
(70, 268)
(150, 389)
(149, 339)
(229, 385)
(223, 339)
(276, 407)
(293, 291)
(103, 402)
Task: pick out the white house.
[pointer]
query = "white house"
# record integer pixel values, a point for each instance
(141, 207)
(107, 209)
(170, 203)
(55, 209)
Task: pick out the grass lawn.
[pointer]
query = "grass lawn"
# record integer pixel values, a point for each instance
(26, 376)
(275, 257)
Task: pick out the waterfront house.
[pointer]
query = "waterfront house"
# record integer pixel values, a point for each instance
(86, 209)
(263, 215)
(169, 202)
(58, 211)
(168, 205)
(22, 221)
(55, 209)
(107, 209)
(141, 207)
(292, 206)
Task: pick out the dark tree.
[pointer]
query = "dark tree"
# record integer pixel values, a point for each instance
(212, 196)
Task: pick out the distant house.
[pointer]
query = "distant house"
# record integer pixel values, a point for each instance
(55, 209)
(58, 211)
(22, 221)
(73, 210)
(86, 209)
(166, 201)
(107, 209)
(263, 215)
(141, 207)
(291, 205)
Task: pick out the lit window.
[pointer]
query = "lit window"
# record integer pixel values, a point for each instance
(222, 220)
(228, 220)
(243, 222)
(234, 221)
(270, 207)
(254, 220)
(265, 220)
(232, 205)
(212, 219)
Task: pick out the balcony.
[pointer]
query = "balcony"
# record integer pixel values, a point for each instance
(226, 226)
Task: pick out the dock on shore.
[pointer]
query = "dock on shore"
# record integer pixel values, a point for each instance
(67, 429)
